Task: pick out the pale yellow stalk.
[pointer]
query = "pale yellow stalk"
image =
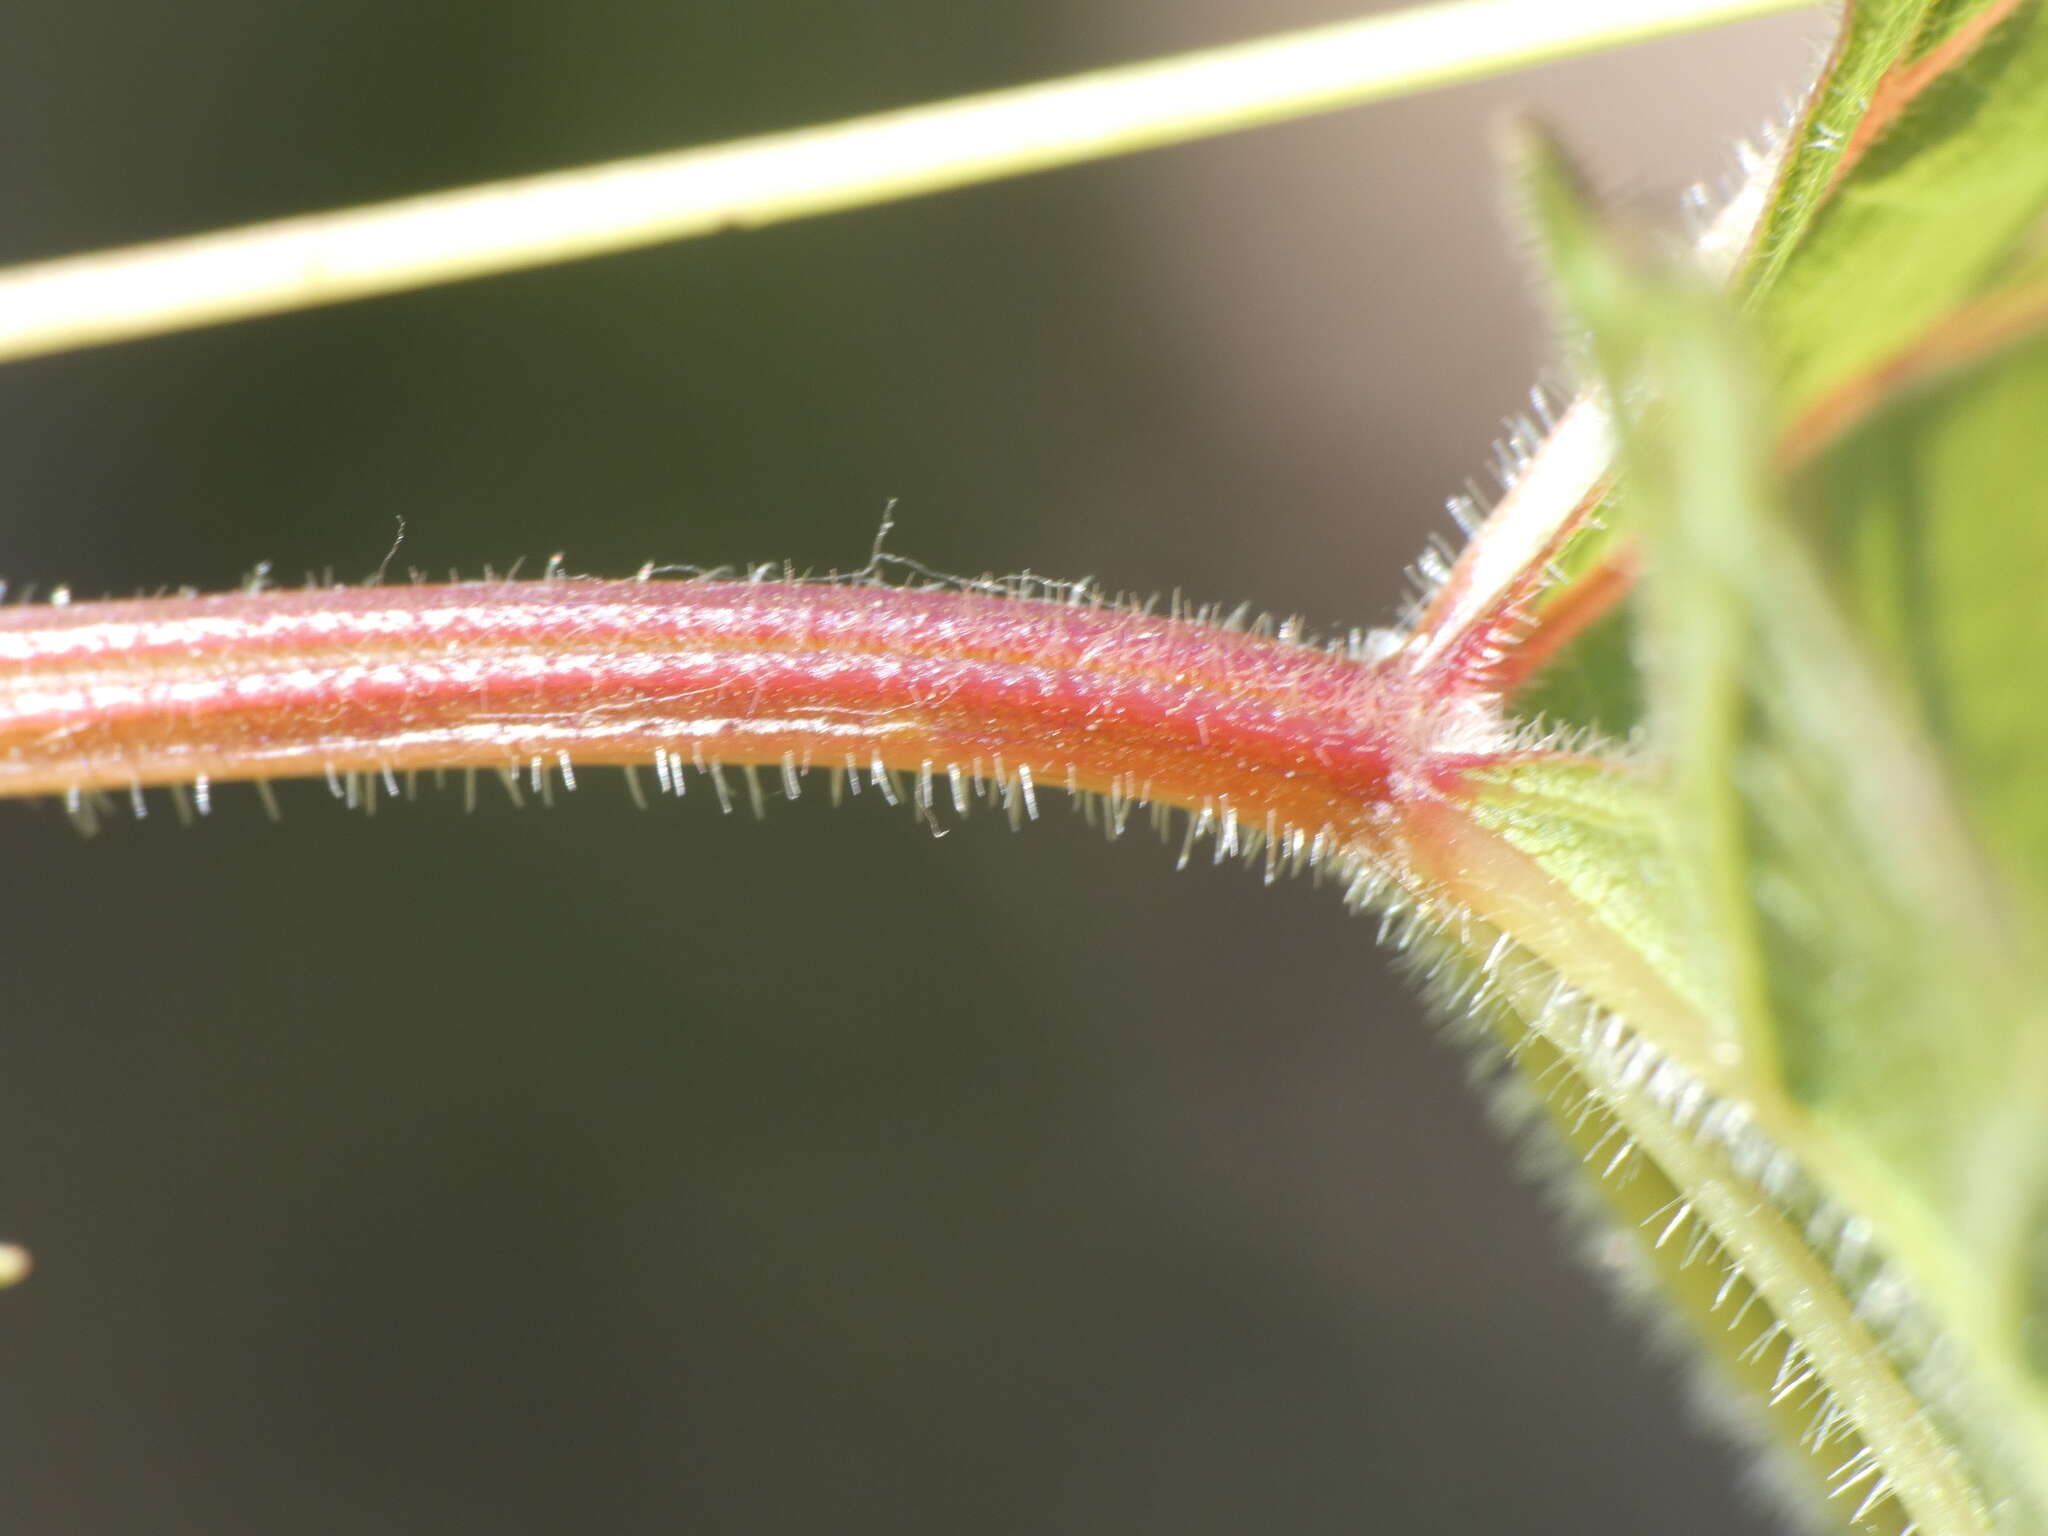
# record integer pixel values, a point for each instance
(496, 227)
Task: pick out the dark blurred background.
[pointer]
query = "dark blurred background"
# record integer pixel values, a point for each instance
(604, 1171)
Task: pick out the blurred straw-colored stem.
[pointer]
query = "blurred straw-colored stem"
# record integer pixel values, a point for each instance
(531, 221)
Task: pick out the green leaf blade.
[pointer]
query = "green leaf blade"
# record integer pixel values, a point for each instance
(1873, 241)
(1929, 511)
(1875, 990)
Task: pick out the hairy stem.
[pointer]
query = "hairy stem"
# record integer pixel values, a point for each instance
(1311, 747)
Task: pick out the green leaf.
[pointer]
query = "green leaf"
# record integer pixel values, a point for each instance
(1874, 987)
(1912, 182)
(1854, 815)
(1927, 509)
(1876, 39)
(1917, 216)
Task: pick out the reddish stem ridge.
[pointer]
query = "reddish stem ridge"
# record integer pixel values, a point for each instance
(1274, 735)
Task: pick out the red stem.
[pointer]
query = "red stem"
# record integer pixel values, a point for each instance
(1567, 612)
(1266, 734)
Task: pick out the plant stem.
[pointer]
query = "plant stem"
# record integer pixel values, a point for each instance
(383, 248)
(1308, 749)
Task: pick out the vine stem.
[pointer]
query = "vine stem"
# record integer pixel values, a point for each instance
(500, 226)
(1308, 747)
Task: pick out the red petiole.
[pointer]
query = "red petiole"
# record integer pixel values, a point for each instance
(1316, 749)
